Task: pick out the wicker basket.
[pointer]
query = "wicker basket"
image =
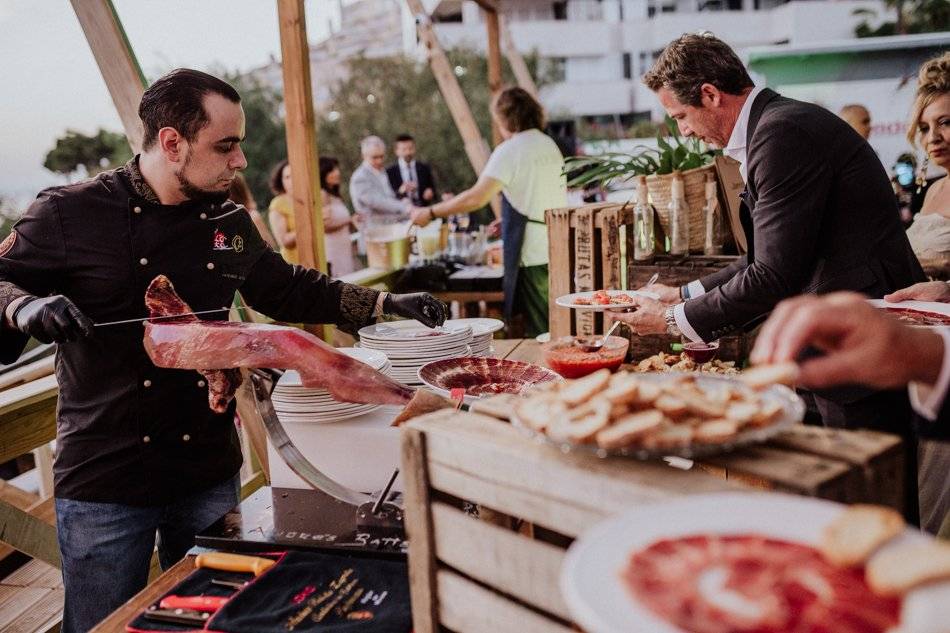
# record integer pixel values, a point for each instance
(694, 186)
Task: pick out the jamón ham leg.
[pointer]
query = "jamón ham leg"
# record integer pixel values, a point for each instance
(162, 301)
(196, 344)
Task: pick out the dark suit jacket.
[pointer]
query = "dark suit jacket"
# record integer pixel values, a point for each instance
(423, 173)
(819, 214)
(938, 429)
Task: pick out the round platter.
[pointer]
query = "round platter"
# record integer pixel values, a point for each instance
(478, 374)
(905, 310)
(793, 411)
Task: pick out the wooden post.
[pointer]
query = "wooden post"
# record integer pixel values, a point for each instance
(494, 64)
(120, 70)
(301, 134)
(516, 61)
(475, 146)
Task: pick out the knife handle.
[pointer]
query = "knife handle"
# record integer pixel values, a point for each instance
(234, 562)
(208, 604)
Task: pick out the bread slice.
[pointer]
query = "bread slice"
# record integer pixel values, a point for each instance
(581, 390)
(627, 430)
(858, 532)
(898, 569)
(765, 375)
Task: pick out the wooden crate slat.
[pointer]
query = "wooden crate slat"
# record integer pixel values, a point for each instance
(465, 606)
(584, 266)
(503, 455)
(18, 603)
(422, 581)
(27, 427)
(610, 248)
(559, 269)
(878, 457)
(537, 508)
(791, 471)
(31, 535)
(518, 566)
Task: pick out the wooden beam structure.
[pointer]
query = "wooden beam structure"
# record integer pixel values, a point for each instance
(475, 146)
(494, 64)
(301, 134)
(515, 60)
(120, 70)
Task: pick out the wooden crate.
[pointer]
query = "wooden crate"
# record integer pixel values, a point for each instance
(472, 574)
(585, 254)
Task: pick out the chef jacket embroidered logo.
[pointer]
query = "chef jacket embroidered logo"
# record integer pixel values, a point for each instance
(221, 241)
(237, 244)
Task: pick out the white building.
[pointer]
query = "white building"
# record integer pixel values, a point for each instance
(601, 48)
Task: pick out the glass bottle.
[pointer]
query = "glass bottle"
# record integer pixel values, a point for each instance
(643, 223)
(713, 243)
(679, 217)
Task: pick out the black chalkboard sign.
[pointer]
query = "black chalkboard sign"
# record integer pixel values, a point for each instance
(274, 519)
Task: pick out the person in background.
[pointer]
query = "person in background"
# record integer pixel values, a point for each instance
(864, 345)
(373, 197)
(240, 194)
(280, 213)
(336, 219)
(858, 117)
(526, 168)
(929, 235)
(408, 177)
(818, 211)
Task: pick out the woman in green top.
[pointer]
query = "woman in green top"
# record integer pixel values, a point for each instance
(526, 169)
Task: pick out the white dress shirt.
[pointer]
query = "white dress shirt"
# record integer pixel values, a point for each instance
(408, 171)
(927, 400)
(735, 149)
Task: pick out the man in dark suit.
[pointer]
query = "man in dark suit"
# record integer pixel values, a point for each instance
(818, 212)
(410, 178)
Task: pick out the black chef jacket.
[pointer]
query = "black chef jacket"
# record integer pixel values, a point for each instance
(129, 432)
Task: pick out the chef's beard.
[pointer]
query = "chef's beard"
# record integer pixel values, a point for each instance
(193, 191)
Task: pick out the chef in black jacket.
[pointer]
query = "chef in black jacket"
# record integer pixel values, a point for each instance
(138, 448)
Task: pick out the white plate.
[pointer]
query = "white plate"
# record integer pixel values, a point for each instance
(374, 358)
(591, 580)
(570, 301)
(923, 306)
(313, 419)
(409, 330)
(480, 326)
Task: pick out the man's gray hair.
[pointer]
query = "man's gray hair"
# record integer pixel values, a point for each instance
(370, 143)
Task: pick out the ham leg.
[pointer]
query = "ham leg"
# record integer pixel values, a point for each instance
(231, 345)
(162, 301)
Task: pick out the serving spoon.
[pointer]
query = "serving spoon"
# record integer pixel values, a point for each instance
(595, 346)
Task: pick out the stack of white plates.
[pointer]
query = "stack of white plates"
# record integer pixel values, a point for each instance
(482, 332)
(295, 403)
(409, 345)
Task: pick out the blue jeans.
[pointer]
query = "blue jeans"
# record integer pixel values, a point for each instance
(106, 547)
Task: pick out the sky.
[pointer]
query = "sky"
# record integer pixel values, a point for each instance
(49, 80)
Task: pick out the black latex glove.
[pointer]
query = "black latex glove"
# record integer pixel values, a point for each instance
(420, 306)
(53, 319)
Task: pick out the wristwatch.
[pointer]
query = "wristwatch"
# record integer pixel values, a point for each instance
(670, 317)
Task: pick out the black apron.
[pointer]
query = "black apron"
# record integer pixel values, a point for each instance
(513, 226)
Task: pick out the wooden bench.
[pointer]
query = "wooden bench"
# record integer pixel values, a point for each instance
(468, 574)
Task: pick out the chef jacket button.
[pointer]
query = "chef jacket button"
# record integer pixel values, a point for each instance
(203, 216)
(210, 265)
(143, 261)
(147, 383)
(185, 437)
(201, 383)
(146, 439)
(137, 209)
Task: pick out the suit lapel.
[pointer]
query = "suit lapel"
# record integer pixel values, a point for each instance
(758, 107)
(747, 207)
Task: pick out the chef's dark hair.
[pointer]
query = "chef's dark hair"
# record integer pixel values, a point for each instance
(174, 100)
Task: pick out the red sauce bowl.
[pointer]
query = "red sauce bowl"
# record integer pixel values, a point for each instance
(571, 361)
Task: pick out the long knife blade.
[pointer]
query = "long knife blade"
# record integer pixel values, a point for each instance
(169, 316)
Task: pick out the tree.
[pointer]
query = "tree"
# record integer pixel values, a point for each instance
(392, 95)
(75, 152)
(912, 16)
(266, 142)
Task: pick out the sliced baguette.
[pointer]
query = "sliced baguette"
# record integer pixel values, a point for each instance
(858, 532)
(898, 569)
(765, 375)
